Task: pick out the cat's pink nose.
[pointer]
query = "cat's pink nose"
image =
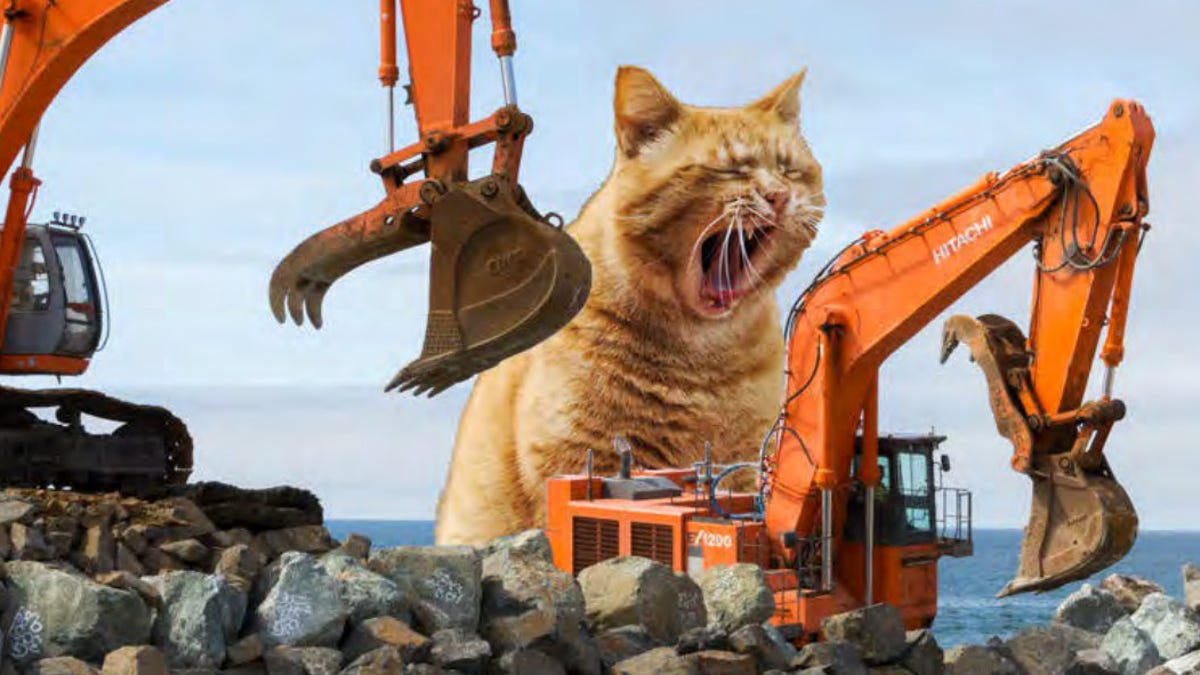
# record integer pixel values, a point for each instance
(778, 201)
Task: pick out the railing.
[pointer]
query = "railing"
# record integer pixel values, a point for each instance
(954, 527)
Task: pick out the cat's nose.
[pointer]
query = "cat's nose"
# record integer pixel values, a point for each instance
(778, 201)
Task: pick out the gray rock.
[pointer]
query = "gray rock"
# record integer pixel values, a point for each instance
(1093, 662)
(14, 510)
(527, 600)
(303, 608)
(877, 631)
(923, 655)
(245, 650)
(454, 648)
(142, 660)
(1131, 649)
(833, 657)
(313, 539)
(754, 641)
(241, 565)
(978, 660)
(52, 613)
(386, 631)
(356, 546)
(187, 550)
(628, 590)
(530, 543)
(367, 595)
(303, 661)
(61, 665)
(661, 661)
(1191, 587)
(377, 662)
(702, 638)
(736, 595)
(1173, 628)
(1092, 609)
(1188, 664)
(526, 662)
(711, 662)
(200, 617)
(1049, 650)
(1129, 590)
(445, 582)
(28, 543)
(623, 642)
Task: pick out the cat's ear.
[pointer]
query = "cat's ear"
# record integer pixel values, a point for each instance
(784, 100)
(644, 109)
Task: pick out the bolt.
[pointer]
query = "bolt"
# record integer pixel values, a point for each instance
(1127, 209)
(503, 119)
(489, 188)
(431, 190)
(1118, 110)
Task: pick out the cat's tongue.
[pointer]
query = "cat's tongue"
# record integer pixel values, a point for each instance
(723, 277)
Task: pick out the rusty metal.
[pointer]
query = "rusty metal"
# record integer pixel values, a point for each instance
(1081, 520)
(150, 448)
(502, 280)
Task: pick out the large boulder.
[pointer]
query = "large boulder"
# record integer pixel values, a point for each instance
(51, 612)
(769, 653)
(61, 665)
(834, 657)
(1131, 649)
(978, 660)
(1191, 587)
(877, 630)
(923, 655)
(305, 539)
(701, 638)
(381, 661)
(1174, 628)
(141, 660)
(660, 661)
(1188, 664)
(304, 606)
(1129, 590)
(1049, 650)
(263, 509)
(1093, 662)
(200, 616)
(367, 595)
(1092, 609)
(526, 544)
(736, 595)
(445, 582)
(303, 661)
(457, 649)
(386, 631)
(628, 590)
(623, 642)
(526, 662)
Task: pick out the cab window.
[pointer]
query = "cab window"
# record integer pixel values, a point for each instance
(31, 282)
(914, 471)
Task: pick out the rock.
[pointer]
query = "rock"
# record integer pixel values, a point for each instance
(187, 550)
(366, 594)
(1092, 662)
(286, 660)
(53, 613)
(256, 668)
(736, 595)
(978, 660)
(135, 538)
(1131, 649)
(527, 600)
(14, 510)
(1173, 628)
(628, 590)
(529, 543)
(305, 538)
(246, 650)
(877, 631)
(1092, 609)
(180, 518)
(232, 537)
(1129, 590)
(836, 657)
(5, 543)
(456, 649)
(128, 562)
(241, 565)
(386, 631)
(356, 546)
(382, 661)
(123, 580)
(201, 616)
(1191, 587)
(446, 582)
(722, 663)
(62, 665)
(623, 642)
(701, 638)
(264, 509)
(661, 661)
(1049, 650)
(753, 641)
(922, 656)
(141, 660)
(526, 662)
(303, 607)
(28, 543)
(1188, 664)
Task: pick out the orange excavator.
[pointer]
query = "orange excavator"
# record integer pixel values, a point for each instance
(503, 276)
(846, 516)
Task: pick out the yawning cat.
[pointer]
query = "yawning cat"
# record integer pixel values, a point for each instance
(704, 213)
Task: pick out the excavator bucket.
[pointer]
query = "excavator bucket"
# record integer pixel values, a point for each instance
(502, 280)
(1081, 520)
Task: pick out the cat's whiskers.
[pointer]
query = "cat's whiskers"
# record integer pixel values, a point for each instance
(754, 275)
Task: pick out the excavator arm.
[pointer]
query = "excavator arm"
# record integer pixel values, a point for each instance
(1081, 205)
(502, 277)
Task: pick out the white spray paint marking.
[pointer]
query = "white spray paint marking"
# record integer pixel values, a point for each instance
(291, 612)
(445, 588)
(25, 634)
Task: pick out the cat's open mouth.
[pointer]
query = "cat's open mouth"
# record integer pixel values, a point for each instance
(729, 263)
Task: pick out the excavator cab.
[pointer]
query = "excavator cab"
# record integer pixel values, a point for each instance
(56, 318)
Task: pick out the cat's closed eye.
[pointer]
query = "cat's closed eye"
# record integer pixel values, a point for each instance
(729, 171)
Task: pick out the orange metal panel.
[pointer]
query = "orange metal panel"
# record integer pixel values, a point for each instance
(42, 364)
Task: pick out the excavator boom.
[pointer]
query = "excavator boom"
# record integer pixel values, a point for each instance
(1081, 205)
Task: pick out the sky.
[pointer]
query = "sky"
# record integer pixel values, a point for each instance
(206, 141)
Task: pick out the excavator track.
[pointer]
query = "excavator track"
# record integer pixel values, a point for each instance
(149, 448)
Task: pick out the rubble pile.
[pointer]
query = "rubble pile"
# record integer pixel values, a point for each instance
(211, 579)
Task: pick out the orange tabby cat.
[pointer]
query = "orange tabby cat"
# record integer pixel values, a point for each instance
(704, 213)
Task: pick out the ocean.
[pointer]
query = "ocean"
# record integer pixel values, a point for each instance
(968, 612)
